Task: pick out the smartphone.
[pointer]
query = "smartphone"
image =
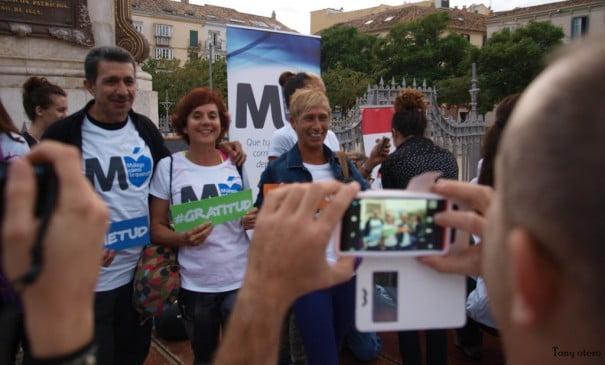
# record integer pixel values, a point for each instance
(394, 222)
(46, 182)
(383, 143)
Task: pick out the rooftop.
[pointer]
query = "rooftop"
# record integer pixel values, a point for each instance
(209, 13)
(544, 7)
(461, 19)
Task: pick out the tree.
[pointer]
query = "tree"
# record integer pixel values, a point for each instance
(510, 61)
(344, 85)
(173, 81)
(347, 47)
(424, 49)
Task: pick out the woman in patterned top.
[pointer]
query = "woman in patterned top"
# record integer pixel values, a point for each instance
(414, 155)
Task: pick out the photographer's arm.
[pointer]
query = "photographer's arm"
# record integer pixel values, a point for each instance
(58, 307)
(279, 273)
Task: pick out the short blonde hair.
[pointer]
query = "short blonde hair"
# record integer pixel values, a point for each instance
(307, 98)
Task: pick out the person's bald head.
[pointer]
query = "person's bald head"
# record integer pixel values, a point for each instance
(551, 172)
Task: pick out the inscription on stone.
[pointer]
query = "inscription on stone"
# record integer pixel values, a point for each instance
(62, 19)
(46, 12)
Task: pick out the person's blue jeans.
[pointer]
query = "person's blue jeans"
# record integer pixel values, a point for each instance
(365, 346)
(120, 337)
(204, 315)
(323, 318)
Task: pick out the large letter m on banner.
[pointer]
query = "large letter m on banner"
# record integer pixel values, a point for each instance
(246, 102)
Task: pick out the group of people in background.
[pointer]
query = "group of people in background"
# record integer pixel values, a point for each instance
(223, 273)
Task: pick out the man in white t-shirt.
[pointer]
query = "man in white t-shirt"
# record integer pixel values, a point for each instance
(120, 149)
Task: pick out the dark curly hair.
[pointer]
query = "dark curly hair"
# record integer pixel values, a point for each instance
(37, 91)
(491, 139)
(410, 113)
(197, 97)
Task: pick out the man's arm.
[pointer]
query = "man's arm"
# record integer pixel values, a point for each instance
(278, 273)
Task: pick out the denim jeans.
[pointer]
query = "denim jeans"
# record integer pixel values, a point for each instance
(323, 318)
(120, 337)
(204, 316)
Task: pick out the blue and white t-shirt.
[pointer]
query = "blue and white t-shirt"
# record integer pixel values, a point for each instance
(218, 264)
(119, 165)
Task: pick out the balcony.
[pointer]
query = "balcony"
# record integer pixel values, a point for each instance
(162, 41)
(194, 45)
(218, 45)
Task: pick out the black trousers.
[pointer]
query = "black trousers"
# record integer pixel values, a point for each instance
(120, 337)
(436, 347)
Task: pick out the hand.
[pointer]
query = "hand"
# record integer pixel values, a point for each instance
(475, 197)
(58, 305)
(249, 220)
(235, 151)
(198, 235)
(378, 154)
(108, 256)
(287, 255)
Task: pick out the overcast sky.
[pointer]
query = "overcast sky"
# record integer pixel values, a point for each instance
(296, 14)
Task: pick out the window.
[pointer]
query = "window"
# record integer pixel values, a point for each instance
(579, 26)
(214, 38)
(193, 39)
(466, 36)
(163, 53)
(389, 19)
(163, 30)
(369, 22)
(138, 26)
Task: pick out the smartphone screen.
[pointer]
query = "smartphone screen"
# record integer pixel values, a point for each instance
(392, 224)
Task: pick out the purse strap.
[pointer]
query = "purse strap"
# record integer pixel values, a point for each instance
(342, 159)
(170, 181)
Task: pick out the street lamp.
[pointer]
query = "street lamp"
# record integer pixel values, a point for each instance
(210, 60)
(166, 104)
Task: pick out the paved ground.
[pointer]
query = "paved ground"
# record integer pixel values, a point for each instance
(179, 352)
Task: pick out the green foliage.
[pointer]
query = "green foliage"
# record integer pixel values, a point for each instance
(511, 60)
(347, 47)
(423, 49)
(419, 49)
(344, 85)
(173, 81)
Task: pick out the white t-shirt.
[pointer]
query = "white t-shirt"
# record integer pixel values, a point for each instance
(319, 173)
(218, 264)
(108, 159)
(285, 138)
(10, 149)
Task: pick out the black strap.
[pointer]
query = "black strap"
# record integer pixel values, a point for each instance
(170, 179)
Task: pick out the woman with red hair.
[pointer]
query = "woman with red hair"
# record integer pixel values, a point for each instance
(212, 258)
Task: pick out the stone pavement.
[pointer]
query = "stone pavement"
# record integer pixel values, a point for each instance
(179, 352)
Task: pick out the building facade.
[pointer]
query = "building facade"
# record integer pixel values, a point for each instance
(575, 17)
(179, 30)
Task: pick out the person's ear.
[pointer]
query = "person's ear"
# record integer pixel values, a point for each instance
(534, 280)
(38, 111)
(90, 86)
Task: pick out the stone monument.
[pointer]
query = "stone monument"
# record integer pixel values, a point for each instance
(50, 38)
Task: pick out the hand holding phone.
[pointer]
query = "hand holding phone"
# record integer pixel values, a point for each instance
(394, 222)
